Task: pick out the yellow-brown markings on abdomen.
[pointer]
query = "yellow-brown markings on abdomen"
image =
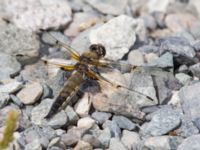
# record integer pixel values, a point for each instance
(69, 89)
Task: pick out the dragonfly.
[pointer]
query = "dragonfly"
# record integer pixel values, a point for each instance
(85, 68)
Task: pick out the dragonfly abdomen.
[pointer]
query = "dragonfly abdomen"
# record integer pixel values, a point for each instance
(69, 90)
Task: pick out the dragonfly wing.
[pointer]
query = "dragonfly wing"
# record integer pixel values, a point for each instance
(57, 36)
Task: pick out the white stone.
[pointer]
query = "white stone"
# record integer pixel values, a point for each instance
(130, 139)
(86, 122)
(82, 108)
(136, 58)
(31, 93)
(117, 35)
(158, 5)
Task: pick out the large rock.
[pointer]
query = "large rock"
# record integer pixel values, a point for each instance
(116, 35)
(35, 15)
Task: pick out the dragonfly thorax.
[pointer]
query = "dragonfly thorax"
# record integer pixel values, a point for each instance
(82, 68)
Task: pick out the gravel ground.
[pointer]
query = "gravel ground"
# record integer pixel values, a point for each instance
(161, 36)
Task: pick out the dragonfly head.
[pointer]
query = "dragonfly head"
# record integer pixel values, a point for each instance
(99, 49)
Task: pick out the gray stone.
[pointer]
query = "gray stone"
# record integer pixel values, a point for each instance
(195, 69)
(36, 72)
(191, 143)
(114, 128)
(71, 115)
(162, 122)
(60, 132)
(101, 117)
(40, 111)
(31, 93)
(180, 46)
(196, 45)
(53, 36)
(83, 145)
(120, 38)
(165, 82)
(115, 144)
(9, 65)
(148, 49)
(190, 100)
(55, 148)
(187, 127)
(150, 22)
(92, 140)
(10, 86)
(142, 83)
(113, 7)
(72, 136)
(130, 139)
(4, 99)
(162, 142)
(104, 137)
(47, 91)
(124, 123)
(32, 20)
(34, 145)
(19, 42)
(183, 78)
(197, 122)
(59, 120)
(38, 134)
(159, 18)
(186, 35)
(164, 61)
(56, 142)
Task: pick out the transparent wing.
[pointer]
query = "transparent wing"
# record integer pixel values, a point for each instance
(66, 65)
(57, 36)
(115, 86)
